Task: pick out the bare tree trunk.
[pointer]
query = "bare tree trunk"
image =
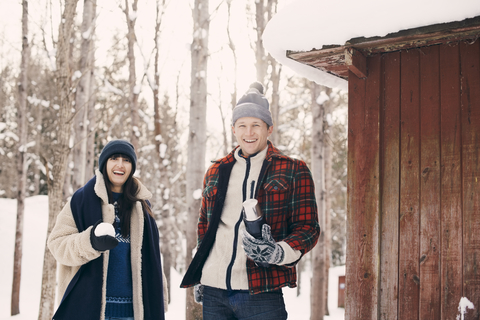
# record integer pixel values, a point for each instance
(156, 102)
(38, 112)
(260, 58)
(67, 184)
(328, 197)
(317, 298)
(275, 102)
(132, 77)
(276, 70)
(92, 121)
(197, 135)
(82, 97)
(21, 163)
(264, 10)
(60, 153)
(225, 129)
(233, 100)
(90, 156)
(164, 181)
(89, 165)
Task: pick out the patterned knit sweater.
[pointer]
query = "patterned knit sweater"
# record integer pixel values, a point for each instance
(119, 278)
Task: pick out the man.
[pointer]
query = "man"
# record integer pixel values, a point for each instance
(241, 276)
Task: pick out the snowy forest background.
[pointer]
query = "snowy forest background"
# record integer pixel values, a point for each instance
(164, 75)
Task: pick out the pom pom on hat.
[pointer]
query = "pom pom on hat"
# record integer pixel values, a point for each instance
(253, 104)
(257, 85)
(117, 147)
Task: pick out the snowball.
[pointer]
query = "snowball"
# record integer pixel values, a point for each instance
(104, 229)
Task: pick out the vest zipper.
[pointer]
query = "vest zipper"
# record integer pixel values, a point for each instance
(237, 226)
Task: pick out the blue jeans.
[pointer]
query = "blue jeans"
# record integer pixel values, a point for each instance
(219, 304)
(119, 318)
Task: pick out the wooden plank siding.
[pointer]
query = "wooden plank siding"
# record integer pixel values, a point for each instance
(390, 190)
(470, 73)
(409, 281)
(451, 186)
(430, 184)
(413, 211)
(362, 267)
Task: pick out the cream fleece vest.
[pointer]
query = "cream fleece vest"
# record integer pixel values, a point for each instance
(215, 269)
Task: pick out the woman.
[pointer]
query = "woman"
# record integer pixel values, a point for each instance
(106, 243)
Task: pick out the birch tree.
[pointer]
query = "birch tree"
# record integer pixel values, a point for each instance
(21, 162)
(60, 149)
(133, 91)
(261, 22)
(275, 75)
(162, 145)
(328, 193)
(160, 10)
(319, 281)
(91, 114)
(83, 96)
(38, 112)
(264, 11)
(197, 135)
(233, 48)
(8, 119)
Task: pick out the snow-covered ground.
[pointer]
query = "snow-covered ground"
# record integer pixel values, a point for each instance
(35, 226)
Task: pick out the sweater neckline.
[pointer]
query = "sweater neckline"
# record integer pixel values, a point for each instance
(258, 157)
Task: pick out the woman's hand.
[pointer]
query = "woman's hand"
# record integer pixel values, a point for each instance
(102, 241)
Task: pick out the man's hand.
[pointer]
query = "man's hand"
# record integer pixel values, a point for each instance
(198, 293)
(264, 249)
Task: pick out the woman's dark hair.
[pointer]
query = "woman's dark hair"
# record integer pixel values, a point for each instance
(127, 199)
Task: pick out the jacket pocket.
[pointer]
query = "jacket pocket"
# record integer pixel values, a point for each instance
(274, 201)
(276, 185)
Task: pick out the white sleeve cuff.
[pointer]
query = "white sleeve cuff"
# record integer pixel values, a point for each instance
(291, 255)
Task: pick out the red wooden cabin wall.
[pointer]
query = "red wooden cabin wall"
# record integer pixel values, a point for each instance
(413, 226)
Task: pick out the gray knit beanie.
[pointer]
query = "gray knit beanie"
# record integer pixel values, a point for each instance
(253, 104)
(117, 147)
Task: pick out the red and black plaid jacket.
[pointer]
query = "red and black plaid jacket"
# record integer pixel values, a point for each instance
(287, 200)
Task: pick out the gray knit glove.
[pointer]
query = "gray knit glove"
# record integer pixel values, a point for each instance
(264, 249)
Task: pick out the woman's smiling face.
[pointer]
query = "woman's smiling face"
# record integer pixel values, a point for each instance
(252, 134)
(118, 169)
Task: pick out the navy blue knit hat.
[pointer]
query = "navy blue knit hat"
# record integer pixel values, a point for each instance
(117, 147)
(253, 104)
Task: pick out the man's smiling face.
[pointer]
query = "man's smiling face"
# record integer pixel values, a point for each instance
(251, 134)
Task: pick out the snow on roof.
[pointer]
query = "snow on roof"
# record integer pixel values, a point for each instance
(304, 25)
